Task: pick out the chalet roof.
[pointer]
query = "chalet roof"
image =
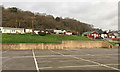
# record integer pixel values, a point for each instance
(13, 28)
(89, 32)
(104, 32)
(86, 32)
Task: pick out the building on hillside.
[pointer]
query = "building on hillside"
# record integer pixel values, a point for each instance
(111, 35)
(93, 35)
(68, 33)
(36, 31)
(86, 34)
(59, 31)
(12, 30)
(28, 30)
(104, 35)
(117, 35)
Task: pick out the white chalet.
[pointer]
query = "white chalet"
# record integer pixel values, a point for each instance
(11, 30)
(59, 31)
(28, 30)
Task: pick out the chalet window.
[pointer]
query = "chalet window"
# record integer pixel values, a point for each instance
(105, 34)
(13, 30)
(94, 34)
(4, 30)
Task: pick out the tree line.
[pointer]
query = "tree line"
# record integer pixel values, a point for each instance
(15, 17)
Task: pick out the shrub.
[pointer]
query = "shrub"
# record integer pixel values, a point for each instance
(98, 38)
(11, 33)
(42, 33)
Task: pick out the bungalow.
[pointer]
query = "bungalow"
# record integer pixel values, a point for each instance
(104, 35)
(36, 31)
(68, 33)
(117, 35)
(28, 30)
(111, 35)
(59, 31)
(93, 35)
(86, 34)
(12, 30)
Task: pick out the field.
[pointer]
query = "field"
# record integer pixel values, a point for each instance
(30, 38)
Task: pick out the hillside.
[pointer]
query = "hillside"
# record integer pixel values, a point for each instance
(14, 17)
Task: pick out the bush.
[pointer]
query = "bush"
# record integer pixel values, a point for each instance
(42, 33)
(11, 33)
(98, 38)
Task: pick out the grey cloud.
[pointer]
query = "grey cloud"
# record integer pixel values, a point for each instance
(100, 14)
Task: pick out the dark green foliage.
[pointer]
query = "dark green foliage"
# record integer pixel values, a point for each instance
(57, 19)
(42, 33)
(98, 38)
(13, 9)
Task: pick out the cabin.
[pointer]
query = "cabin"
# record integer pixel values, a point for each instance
(12, 30)
(93, 35)
(36, 31)
(28, 30)
(68, 33)
(104, 35)
(86, 34)
(111, 35)
(59, 31)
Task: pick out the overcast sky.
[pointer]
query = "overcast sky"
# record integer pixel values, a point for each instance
(102, 14)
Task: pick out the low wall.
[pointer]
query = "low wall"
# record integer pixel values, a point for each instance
(63, 45)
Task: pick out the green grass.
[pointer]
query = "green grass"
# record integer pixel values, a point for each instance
(29, 38)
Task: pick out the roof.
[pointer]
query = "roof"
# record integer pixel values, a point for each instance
(68, 32)
(89, 32)
(13, 28)
(111, 35)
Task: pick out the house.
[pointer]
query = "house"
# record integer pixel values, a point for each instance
(12, 30)
(111, 35)
(117, 35)
(64, 31)
(93, 35)
(36, 31)
(104, 35)
(59, 31)
(68, 33)
(86, 34)
(28, 30)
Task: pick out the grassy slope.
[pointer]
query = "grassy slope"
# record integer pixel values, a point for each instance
(28, 38)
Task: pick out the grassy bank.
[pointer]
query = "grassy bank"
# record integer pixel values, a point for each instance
(29, 38)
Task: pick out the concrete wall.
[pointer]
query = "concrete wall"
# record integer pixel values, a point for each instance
(63, 45)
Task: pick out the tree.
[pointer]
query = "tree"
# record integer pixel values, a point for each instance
(57, 19)
(13, 9)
